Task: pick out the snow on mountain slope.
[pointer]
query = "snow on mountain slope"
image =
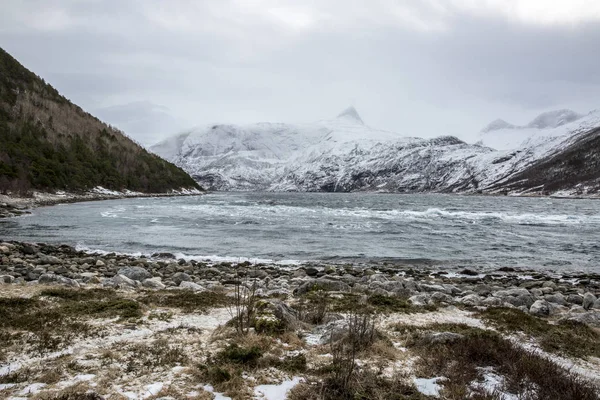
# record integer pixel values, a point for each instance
(232, 157)
(343, 154)
(501, 135)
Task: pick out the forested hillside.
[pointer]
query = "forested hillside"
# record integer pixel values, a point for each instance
(48, 143)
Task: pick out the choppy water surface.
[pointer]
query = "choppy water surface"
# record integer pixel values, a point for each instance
(453, 230)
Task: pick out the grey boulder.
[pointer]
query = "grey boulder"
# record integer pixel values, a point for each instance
(541, 308)
(135, 273)
(327, 285)
(588, 301)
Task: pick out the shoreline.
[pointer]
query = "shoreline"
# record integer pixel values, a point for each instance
(134, 325)
(12, 206)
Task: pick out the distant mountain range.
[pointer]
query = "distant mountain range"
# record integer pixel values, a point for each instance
(48, 143)
(343, 154)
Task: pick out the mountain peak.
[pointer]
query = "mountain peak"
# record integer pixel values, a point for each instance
(497, 125)
(350, 115)
(554, 119)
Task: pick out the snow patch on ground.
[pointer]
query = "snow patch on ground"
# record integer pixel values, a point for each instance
(429, 387)
(218, 396)
(451, 315)
(276, 392)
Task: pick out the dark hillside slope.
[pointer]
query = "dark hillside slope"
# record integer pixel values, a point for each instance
(49, 143)
(575, 168)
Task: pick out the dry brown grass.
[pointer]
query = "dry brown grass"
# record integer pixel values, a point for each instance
(526, 374)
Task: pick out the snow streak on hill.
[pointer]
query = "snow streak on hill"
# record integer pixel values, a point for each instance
(344, 154)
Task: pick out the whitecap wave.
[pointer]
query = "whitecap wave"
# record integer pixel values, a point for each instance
(262, 212)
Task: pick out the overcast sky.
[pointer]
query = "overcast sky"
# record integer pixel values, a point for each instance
(418, 67)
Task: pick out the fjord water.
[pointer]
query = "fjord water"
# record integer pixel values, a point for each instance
(453, 231)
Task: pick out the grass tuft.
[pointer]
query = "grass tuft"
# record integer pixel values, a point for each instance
(570, 338)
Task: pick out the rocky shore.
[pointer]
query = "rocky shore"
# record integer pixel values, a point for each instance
(299, 310)
(573, 295)
(12, 206)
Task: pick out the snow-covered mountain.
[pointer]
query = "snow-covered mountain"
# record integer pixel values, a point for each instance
(502, 135)
(344, 154)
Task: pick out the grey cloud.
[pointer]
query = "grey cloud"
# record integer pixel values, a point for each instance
(419, 70)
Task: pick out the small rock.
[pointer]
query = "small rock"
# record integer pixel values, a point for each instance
(574, 299)
(591, 318)
(179, 277)
(191, 286)
(4, 250)
(52, 260)
(472, 300)
(540, 308)
(7, 279)
(57, 279)
(549, 284)
(588, 301)
(100, 263)
(28, 249)
(311, 271)
(327, 285)
(558, 298)
(153, 283)
(135, 273)
(123, 281)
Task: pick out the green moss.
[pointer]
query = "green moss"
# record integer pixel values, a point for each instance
(79, 294)
(269, 325)
(240, 355)
(124, 308)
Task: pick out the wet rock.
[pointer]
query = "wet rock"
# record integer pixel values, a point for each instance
(135, 273)
(469, 272)
(179, 277)
(168, 256)
(328, 285)
(540, 308)
(311, 271)
(29, 249)
(588, 301)
(506, 269)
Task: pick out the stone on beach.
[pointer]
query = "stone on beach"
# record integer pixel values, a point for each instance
(135, 273)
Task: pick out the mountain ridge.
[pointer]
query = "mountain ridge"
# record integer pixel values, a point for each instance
(49, 143)
(341, 155)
